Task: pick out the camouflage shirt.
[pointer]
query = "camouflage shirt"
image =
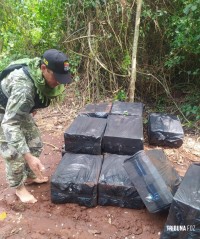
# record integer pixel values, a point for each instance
(21, 91)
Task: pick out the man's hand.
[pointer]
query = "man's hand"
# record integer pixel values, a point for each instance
(35, 165)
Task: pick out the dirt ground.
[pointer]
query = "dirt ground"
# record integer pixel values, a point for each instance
(45, 220)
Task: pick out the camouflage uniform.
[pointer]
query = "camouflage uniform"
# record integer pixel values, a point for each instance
(18, 132)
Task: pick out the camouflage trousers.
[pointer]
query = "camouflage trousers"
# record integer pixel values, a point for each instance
(17, 170)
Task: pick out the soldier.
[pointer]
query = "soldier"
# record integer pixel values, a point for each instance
(26, 85)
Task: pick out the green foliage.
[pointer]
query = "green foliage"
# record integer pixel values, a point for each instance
(107, 52)
(161, 104)
(183, 32)
(121, 96)
(191, 106)
(98, 36)
(36, 35)
(74, 63)
(4, 63)
(30, 27)
(192, 112)
(126, 63)
(187, 32)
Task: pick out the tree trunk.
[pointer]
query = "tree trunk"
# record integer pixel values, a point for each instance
(134, 51)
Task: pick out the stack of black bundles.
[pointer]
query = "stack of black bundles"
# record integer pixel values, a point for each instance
(163, 165)
(127, 108)
(183, 221)
(123, 135)
(75, 179)
(165, 130)
(148, 182)
(85, 135)
(101, 110)
(114, 186)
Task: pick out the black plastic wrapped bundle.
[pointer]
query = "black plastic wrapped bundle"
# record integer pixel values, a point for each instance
(163, 165)
(148, 182)
(115, 187)
(75, 179)
(100, 110)
(165, 130)
(123, 135)
(85, 135)
(127, 108)
(183, 221)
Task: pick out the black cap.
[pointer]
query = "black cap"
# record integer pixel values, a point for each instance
(58, 62)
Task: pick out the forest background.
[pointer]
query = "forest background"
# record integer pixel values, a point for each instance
(98, 37)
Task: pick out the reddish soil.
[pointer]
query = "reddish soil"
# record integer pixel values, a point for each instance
(45, 220)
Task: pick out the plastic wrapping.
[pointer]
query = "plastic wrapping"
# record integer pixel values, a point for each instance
(75, 179)
(114, 186)
(165, 130)
(127, 108)
(123, 135)
(85, 135)
(183, 221)
(163, 165)
(100, 110)
(148, 182)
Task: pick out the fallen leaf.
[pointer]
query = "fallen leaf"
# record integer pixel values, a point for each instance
(3, 216)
